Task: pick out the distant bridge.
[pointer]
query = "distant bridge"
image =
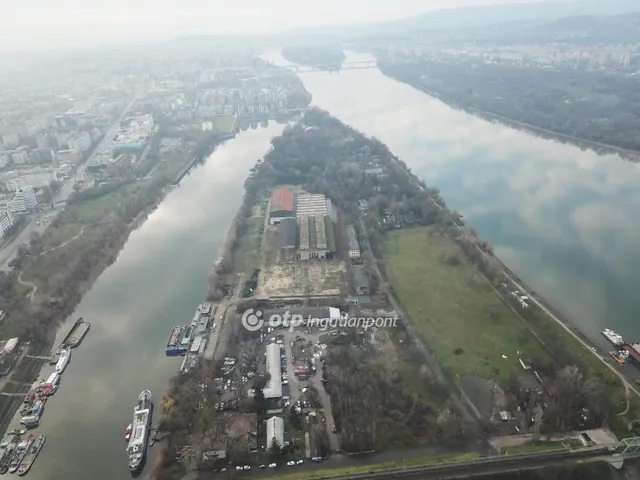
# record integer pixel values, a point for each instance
(360, 65)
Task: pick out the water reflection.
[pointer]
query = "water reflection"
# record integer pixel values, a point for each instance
(157, 281)
(562, 218)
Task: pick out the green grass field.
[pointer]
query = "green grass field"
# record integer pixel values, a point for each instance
(534, 448)
(455, 311)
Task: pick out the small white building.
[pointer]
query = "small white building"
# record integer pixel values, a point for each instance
(275, 431)
(354, 246)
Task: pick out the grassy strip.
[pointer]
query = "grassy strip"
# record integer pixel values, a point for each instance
(455, 311)
(533, 448)
(376, 467)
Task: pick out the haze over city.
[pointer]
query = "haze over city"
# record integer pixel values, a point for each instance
(42, 24)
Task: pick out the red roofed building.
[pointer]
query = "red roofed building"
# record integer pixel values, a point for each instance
(281, 205)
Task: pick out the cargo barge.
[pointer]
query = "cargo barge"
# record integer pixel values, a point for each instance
(174, 345)
(76, 334)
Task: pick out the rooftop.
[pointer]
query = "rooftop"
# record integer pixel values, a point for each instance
(282, 199)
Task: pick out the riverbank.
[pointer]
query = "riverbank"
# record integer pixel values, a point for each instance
(598, 147)
(57, 276)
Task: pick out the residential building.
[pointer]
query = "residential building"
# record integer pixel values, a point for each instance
(4, 159)
(24, 200)
(275, 432)
(81, 142)
(6, 222)
(354, 246)
(68, 156)
(281, 205)
(274, 385)
(20, 158)
(34, 178)
(43, 141)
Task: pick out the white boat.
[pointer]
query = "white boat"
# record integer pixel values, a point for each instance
(613, 337)
(141, 425)
(31, 455)
(65, 356)
(19, 454)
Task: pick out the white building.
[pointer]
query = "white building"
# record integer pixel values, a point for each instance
(36, 179)
(275, 431)
(274, 386)
(6, 222)
(354, 247)
(24, 200)
(80, 143)
(20, 157)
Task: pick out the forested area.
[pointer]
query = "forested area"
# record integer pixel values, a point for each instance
(315, 55)
(589, 105)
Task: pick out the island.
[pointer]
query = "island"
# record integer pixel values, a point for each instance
(357, 314)
(322, 57)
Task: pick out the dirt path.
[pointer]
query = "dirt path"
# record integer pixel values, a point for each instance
(33, 286)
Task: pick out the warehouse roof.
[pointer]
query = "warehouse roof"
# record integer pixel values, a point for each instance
(274, 385)
(353, 239)
(288, 230)
(282, 200)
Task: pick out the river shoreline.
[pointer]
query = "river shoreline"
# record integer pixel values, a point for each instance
(598, 147)
(104, 258)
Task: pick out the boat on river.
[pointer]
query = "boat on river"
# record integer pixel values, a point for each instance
(174, 346)
(19, 453)
(7, 455)
(141, 426)
(613, 337)
(76, 334)
(31, 455)
(65, 357)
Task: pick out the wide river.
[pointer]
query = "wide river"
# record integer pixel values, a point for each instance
(563, 219)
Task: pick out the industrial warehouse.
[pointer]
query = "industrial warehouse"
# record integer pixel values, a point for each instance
(302, 230)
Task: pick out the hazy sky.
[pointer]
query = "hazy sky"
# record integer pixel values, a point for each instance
(29, 24)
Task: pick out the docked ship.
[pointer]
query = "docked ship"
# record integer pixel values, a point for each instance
(6, 458)
(31, 455)
(19, 453)
(174, 346)
(65, 356)
(141, 426)
(205, 308)
(613, 337)
(185, 341)
(76, 334)
(195, 345)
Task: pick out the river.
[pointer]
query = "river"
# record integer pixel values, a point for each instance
(157, 281)
(565, 220)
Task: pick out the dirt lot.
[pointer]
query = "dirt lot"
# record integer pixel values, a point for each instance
(311, 278)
